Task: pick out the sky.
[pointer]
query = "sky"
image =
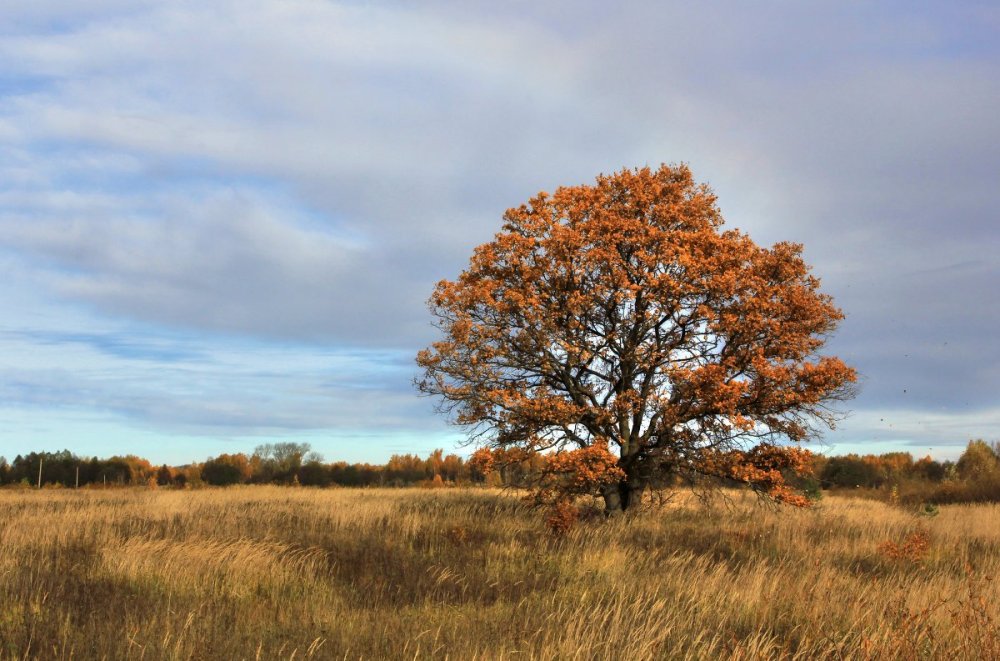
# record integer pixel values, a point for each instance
(220, 220)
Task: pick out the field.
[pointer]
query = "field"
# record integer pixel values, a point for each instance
(281, 573)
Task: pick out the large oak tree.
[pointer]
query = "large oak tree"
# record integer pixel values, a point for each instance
(620, 327)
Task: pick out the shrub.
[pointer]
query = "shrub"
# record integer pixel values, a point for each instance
(914, 547)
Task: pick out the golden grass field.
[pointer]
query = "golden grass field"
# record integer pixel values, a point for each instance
(282, 573)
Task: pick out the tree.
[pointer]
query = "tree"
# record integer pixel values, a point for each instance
(849, 471)
(278, 461)
(314, 473)
(978, 461)
(929, 469)
(226, 469)
(894, 466)
(164, 476)
(621, 327)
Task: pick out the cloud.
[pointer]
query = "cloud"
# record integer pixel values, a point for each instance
(230, 262)
(301, 173)
(114, 345)
(940, 431)
(373, 124)
(192, 386)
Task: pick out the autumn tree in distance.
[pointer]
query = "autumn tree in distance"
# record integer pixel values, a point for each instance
(620, 329)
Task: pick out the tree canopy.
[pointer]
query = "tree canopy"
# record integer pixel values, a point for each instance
(620, 327)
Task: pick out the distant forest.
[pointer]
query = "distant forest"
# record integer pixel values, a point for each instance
(895, 475)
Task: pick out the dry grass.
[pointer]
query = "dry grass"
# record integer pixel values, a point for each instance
(269, 572)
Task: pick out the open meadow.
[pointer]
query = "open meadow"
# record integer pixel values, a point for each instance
(280, 573)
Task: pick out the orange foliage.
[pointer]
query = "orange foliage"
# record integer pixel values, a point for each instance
(562, 516)
(584, 470)
(570, 473)
(139, 469)
(623, 316)
(763, 468)
(487, 460)
(914, 547)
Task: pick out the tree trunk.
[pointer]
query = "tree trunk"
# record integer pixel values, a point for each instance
(612, 500)
(621, 496)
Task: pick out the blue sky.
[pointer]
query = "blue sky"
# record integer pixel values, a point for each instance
(219, 220)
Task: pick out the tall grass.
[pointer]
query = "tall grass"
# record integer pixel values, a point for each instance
(270, 572)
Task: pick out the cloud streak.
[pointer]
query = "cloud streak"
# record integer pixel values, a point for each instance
(196, 387)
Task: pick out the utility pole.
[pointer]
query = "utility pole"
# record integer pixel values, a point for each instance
(39, 472)
(77, 476)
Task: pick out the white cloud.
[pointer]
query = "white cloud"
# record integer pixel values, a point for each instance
(938, 431)
(234, 261)
(216, 388)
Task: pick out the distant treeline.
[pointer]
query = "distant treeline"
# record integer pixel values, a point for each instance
(975, 476)
(277, 463)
